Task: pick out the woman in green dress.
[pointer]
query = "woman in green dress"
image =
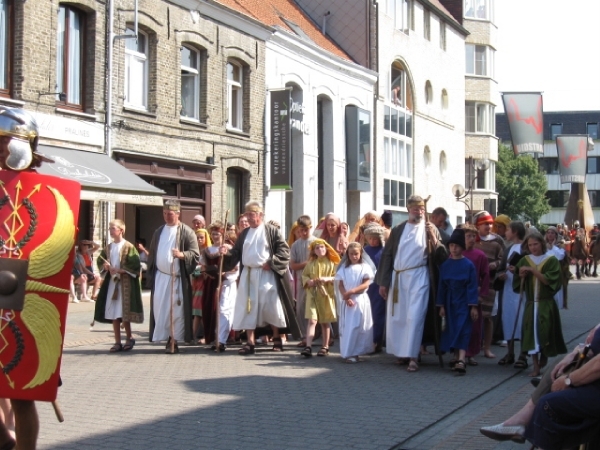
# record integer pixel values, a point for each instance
(541, 332)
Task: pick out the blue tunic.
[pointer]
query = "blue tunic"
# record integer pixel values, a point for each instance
(456, 293)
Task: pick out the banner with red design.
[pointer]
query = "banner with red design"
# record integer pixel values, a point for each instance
(525, 121)
(572, 157)
(38, 217)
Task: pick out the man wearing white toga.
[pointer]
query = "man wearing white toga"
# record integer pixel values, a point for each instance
(173, 256)
(264, 295)
(403, 279)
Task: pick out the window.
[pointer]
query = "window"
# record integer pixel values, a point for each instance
(190, 83)
(479, 60)
(69, 54)
(5, 45)
(397, 142)
(592, 130)
(445, 99)
(401, 11)
(548, 165)
(479, 9)
(555, 129)
(593, 165)
(594, 198)
(559, 199)
(442, 35)
(235, 94)
(427, 24)
(483, 178)
(136, 70)
(428, 92)
(479, 118)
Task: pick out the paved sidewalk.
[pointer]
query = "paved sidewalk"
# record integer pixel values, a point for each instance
(146, 400)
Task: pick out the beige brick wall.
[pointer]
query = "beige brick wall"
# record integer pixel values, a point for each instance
(159, 131)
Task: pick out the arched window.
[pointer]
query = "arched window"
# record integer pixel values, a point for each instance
(190, 82)
(235, 95)
(428, 92)
(136, 70)
(69, 55)
(445, 101)
(6, 30)
(397, 139)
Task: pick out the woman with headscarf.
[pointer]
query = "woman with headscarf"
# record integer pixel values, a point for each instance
(332, 233)
(357, 234)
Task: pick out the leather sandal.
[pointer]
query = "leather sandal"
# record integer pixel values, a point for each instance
(460, 367)
(116, 348)
(521, 363)
(506, 360)
(247, 349)
(277, 344)
(323, 352)
(307, 352)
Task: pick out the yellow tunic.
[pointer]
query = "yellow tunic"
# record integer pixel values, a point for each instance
(320, 300)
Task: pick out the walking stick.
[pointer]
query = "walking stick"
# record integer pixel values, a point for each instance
(219, 286)
(433, 290)
(173, 279)
(518, 311)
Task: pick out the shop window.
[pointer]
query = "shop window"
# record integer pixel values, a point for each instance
(190, 82)
(6, 30)
(136, 70)
(235, 95)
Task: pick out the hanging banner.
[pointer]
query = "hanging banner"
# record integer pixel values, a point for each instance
(525, 121)
(281, 155)
(572, 157)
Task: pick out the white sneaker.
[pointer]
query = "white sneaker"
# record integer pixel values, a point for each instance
(88, 299)
(75, 300)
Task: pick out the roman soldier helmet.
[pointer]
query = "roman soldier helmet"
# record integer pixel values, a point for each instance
(22, 128)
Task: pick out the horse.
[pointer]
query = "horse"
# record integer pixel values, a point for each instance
(595, 256)
(579, 253)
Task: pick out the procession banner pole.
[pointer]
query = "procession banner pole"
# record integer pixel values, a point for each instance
(219, 286)
(433, 289)
(173, 279)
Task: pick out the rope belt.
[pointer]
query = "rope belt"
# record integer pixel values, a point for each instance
(248, 303)
(398, 272)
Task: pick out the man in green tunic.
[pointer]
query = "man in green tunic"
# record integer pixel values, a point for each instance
(120, 297)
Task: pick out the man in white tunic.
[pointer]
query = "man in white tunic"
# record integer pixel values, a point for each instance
(403, 277)
(173, 256)
(264, 292)
(120, 297)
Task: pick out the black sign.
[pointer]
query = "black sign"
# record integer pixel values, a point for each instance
(281, 155)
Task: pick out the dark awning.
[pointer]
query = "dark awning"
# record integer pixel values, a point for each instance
(101, 177)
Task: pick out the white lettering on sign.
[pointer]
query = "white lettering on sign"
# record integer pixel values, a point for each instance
(78, 172)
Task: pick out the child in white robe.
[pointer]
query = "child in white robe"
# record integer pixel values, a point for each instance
(354, 306)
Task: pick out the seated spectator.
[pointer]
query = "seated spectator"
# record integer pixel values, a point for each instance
(565, 407)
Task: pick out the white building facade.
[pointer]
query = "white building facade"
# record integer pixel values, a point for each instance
(322, 86)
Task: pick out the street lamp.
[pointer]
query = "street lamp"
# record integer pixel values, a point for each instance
(459, 190)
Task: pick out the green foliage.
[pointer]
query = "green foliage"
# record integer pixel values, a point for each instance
(521, 186)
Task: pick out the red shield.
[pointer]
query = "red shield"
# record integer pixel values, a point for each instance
(38, 217)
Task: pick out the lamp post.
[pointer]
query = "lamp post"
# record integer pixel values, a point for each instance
(459, 190)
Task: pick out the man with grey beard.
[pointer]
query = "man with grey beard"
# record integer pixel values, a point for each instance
(404, 279)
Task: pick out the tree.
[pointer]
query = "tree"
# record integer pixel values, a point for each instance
(521, 186)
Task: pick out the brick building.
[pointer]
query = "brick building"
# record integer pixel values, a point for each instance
(187, 101)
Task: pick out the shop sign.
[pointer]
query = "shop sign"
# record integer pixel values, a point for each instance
(281, 157)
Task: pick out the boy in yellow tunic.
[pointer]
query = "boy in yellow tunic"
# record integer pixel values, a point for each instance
(317, 279)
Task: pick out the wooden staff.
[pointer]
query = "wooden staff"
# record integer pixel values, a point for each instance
(173, 279)
(219, 286)
(433, 288)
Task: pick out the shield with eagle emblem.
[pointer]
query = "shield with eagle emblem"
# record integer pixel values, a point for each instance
(38, 217)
